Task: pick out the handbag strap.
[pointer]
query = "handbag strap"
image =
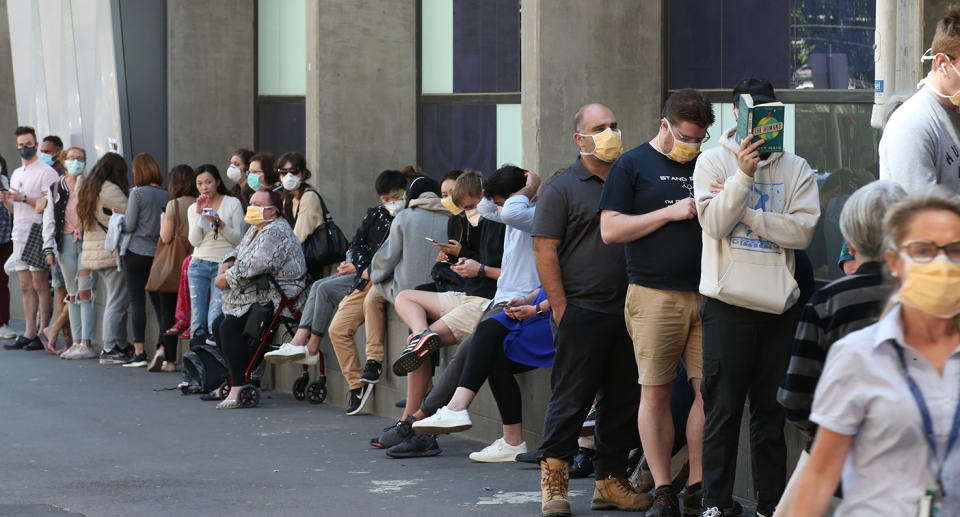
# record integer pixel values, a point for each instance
(327, 219)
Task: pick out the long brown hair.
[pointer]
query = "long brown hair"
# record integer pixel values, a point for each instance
(111, 167)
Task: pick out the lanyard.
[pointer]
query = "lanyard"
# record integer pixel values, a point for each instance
(927, 419)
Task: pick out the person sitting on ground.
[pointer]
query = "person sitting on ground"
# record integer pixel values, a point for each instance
(269, 250)
(182, 191)
(511, 189)
(515, 341)
(402, 262)
(327, 293)
(62, 242)
(886, 403)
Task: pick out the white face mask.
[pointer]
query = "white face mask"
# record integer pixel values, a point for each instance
(234, 173)
(291, 181)
(394, 207)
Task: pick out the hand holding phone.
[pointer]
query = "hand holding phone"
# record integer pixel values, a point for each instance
(431, 240)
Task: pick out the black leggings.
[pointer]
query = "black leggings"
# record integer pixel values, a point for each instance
(136, 269)
(168, 316)
(487, 361)
(235, 347)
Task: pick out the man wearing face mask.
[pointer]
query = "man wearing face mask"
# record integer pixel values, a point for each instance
(585, 283)
(920, 145)
(767, 208)
(50, 152)
(648, 205)
(28, 184)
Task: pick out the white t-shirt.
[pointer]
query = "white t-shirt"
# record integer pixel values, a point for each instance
(212, 245)
(34, 180)
(920, 146)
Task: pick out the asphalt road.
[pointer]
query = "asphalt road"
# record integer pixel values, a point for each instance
(77, 438)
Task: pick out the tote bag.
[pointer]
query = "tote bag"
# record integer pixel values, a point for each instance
(165, 271)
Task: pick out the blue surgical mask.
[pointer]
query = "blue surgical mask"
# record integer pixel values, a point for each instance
(47, 159)
(74, 167)
(253, 181)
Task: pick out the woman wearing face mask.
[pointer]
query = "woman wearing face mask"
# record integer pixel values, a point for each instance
(269, 248)
(6, 249)
(887, 400)
(302, 207)
(237, 173)
(263, 173)
(101, 193)
(216, 226)
(62, 242)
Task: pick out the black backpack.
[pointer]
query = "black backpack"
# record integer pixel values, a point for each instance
(204, 369)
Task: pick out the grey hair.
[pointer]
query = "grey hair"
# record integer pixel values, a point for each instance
(861, 221)
(897, 221)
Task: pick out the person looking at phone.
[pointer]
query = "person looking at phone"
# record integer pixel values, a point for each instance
(28, 184)
(216, 227)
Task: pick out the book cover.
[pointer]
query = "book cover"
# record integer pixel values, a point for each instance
(762, 120)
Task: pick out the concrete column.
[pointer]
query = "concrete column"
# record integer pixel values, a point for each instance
(8, 102)
(575, 52)
(211, 85)
(361, 99)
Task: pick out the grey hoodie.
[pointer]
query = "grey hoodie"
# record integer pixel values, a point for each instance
(405, 259)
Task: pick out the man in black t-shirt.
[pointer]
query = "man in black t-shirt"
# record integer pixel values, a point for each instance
(648, 205)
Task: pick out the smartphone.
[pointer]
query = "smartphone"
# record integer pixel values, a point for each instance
(431, 240)
(209, 211)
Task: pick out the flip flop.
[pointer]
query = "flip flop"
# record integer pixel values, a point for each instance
(45, 341)
(228, 404)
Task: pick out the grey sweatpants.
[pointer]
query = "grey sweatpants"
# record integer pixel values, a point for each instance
(115, 302)
(446, 385)
(322, 302)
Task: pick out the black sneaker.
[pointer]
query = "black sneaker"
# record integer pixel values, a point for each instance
(394, 434)
(136, 361)
(529, 457)
(125, 354)
(590, 422)
(111, 357)
(414, 353)
(714, 511)
(34, 344)
(358, 397)
(417, 445)
(18, 344)
(691, 497)
(582, 466)
(665, 503)
(372, 371)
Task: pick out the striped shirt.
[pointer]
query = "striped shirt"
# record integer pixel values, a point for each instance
(841, 307)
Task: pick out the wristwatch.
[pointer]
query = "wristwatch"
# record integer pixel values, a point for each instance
(481, 273)
(539, 310)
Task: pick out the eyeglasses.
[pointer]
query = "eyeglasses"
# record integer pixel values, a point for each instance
(691, 139)
(287, 171)
(925, 251)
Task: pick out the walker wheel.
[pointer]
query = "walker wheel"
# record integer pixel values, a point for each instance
(249, 397)
(317, 391)
(300, 388)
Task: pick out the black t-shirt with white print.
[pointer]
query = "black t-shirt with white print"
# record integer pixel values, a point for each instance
(644, 180)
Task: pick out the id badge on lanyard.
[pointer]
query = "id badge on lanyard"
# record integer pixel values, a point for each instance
(931, 503)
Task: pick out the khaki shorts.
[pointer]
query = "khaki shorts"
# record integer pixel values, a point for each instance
(461, 313)
(665, 327)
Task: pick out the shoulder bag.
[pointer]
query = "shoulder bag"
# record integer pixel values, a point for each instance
(326, 245)
(168, 261)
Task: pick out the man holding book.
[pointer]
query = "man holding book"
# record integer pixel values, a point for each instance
(767, 207)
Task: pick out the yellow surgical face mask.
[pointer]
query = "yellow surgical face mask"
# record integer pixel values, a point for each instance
(255, 215)
(682, 152)
(451, 207)
(607, 145)
(932, 287)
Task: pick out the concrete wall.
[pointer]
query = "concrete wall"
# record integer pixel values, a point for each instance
(8, 101)
(577, 52)
(211, 84)
(361, 98)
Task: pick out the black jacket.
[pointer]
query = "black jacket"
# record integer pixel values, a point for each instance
(373, 230)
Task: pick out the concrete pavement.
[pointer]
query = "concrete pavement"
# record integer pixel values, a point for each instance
(77, 438)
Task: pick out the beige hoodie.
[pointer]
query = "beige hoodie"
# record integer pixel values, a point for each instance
(751, 228)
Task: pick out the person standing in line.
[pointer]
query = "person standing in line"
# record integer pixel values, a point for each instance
(28, 185)
(648, 205)
(237, 173)
(51, 153)
(142, 222)
(587, 303)
(767, 208)
(6, 249)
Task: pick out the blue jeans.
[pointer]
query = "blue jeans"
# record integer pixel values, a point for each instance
(83, 313)
(205, 303)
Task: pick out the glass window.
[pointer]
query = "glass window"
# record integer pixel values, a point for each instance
(823, 44)
(281, 47)
(281, 127)
(457, 136)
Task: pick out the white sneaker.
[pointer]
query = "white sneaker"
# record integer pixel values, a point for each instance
(444, 421)
(308, 359)
(287, 353)
(6, 333)
(81, 351)
(168, 366)
(498, 452)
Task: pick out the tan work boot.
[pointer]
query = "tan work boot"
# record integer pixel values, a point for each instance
(554, 478)
(616, 494)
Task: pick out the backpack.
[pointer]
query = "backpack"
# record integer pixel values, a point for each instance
(204, 369)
